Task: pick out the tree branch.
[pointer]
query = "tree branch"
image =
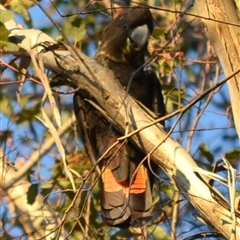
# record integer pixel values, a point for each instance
(170, 156)
(225, 38)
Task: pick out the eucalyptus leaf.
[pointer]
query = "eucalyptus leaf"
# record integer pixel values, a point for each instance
(32, 193)
(205, 152)
(6, 15)
(75, 28)
(8, 47)
(3, 33)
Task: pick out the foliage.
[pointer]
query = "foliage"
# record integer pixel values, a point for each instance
(187, 66)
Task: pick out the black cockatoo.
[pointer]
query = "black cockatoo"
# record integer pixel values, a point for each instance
(126, 193)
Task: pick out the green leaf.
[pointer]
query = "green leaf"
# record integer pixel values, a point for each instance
(237, 193)
(28, 114)
(233, 154)
(21, 7)
(6, 106)
(8, 47)
(64, 184)
(158, 232)
(32, 193)
(165, 66)
(158, 32)
(168, 189)
(47, 185)
(4, 41)
(3, 32)
(75, 28)
(204, 150)
(6, 15)
(174, 97)
(59, 39)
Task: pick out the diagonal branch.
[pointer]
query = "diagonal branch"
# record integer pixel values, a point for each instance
(226, 41)
(169, 155)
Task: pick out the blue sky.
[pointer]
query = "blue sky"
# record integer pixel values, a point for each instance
(212, 118)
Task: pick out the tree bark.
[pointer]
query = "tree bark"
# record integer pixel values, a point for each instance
(109, 95)
(225, 39)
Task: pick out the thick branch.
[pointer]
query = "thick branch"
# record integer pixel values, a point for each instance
(170, 156)
(226, 41)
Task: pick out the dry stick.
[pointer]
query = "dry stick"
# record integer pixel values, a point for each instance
(184, 109)
(79, 191)
(73, 50)
(173, 225)
(87, 215)
(74, 53)
(199, 115)
(190, 14)
(151, 7)
(8, 65)
(100, 86)
(148, 156)
(35, 156)
(181, 112)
